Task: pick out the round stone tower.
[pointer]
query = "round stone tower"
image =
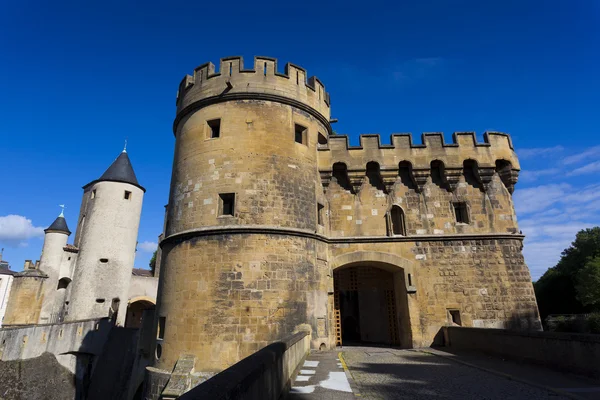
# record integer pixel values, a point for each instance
(106, 236)
(242, 259)
(55, 239)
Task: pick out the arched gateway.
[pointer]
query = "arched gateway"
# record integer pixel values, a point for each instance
(370, 299)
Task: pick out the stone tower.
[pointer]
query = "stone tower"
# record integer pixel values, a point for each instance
(275, 225)
(55, 239)
(106, 236)
(242, 212)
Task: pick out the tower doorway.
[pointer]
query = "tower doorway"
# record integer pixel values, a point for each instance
(370, 306)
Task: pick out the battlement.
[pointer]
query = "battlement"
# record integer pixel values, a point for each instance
(262, 81)
(494, 155)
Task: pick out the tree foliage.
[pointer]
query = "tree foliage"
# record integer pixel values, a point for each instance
(567, 288)
(152, 262)
(588, 283)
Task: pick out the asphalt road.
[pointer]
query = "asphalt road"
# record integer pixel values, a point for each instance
(380, 373)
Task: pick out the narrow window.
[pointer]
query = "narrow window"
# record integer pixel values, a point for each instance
(300, 134)
(397, 217)
(320, 208)
(454, 317)
(161, 327)
(265, 69)
(63, 283)
(322, 139)
(409, 279)
(104, 260)
(215, 128)
(227, 203)
(93, 195)
(230, 69)
(461, 212)
(127, 195)
(69, 259)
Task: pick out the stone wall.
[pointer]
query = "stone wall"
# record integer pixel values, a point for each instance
(25, 301)
(570, 352)
(232, 295)
(61, 340)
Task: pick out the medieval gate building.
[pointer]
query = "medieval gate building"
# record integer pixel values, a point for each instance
(275, 224)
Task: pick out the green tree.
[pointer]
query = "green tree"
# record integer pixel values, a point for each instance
(588, 283)
(557, 291)
(152, 262)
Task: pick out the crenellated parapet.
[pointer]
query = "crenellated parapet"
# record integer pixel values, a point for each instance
(465, 155)
(262, 82)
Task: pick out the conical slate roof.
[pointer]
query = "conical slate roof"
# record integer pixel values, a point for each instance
(59, 225)
(119, 171)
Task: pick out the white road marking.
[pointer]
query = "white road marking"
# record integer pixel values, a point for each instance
(302, 378)
(311, 364)
(303, 389)
(337, 381)
(307, 372)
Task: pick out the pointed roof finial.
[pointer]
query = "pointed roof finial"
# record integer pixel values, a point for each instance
(60, 223)
(125, 147)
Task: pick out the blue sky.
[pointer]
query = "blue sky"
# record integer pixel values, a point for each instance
(77, 78)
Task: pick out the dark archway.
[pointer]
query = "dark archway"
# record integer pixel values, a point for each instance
(371, 305)
(135, 310)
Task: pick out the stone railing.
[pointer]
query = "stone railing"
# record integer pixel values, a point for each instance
(264, 375)
(571, 352)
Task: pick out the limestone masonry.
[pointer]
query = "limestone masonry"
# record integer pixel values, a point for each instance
(276, 225)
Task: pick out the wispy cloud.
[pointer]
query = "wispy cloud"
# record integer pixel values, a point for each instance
(586, 169)
(16, 230)
(533, 175)
(539, 152)
(584, 155)
(550, 217)
(148, 247)
(537, 199)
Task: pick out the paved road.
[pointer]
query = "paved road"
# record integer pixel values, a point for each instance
(380, 373)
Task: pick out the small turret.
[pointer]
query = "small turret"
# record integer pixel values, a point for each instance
(106, 238)
(55, 238)
(59, 225)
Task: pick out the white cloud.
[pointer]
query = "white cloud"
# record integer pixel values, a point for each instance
(15, 230)
(539, 151)
(553, 214)
(575, 158)
(537, 199)
(148, 247)
(532, 175)
(586, 169)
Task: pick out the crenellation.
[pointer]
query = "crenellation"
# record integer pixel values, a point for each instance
(233, 80)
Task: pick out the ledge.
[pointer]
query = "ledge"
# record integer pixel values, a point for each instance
(277, 230)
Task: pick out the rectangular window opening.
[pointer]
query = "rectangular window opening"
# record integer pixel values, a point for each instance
(410, 280)
(320, 208)
(227, 203)
(215, 128)
(161, 327)
(461, 213)
(300, 134)
(454, 317)
(93, 194)
(127, 195)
